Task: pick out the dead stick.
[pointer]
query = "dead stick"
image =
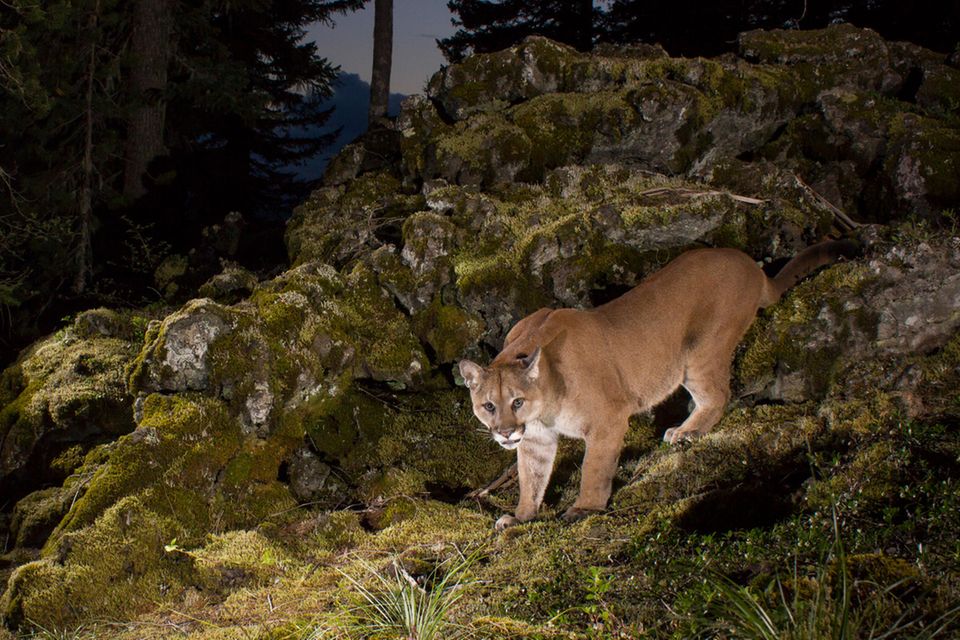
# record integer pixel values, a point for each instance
(505, 478)
(845, 222)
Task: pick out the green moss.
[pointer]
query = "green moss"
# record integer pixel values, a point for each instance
(336, 223)
(939, 92)
(393, 445)
(370, 318)
(173, 267)
(36, 515)
(491, 82)
(180, 443)
(563, 127)
(448, 329)
(432, 524)
(483, 150)
(927, 163)
(418, 123)
(237, 558)
(339, 530)
(881, 463)
(64, 393)
(781, 338)
(115, 568)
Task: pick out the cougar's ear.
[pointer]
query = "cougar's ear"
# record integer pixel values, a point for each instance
(471, 372)
(531, 364)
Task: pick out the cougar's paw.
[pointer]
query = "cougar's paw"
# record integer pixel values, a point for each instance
(675, 435)
(506, 521)
(574, 514)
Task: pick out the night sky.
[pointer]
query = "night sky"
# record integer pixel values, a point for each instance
(417, 24)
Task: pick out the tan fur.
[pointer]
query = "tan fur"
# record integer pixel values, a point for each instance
(583, 373)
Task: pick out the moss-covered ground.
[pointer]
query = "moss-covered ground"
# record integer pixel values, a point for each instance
(758, 499)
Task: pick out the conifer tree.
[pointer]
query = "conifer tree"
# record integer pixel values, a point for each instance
(199, 104)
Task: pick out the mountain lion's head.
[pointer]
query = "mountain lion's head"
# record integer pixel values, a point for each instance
(505, 395)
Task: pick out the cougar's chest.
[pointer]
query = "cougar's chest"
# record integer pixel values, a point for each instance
(566, 423)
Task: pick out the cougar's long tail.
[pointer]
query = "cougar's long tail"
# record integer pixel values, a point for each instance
(803, 263)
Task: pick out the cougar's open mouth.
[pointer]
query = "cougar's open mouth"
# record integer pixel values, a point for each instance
(508, 443)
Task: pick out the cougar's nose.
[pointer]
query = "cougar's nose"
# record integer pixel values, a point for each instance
(509, 430)
(508, 437)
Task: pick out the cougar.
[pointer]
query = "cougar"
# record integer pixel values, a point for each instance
(581, 373)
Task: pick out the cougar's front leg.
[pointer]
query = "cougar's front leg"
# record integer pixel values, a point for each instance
(599, 467)
(535, 457)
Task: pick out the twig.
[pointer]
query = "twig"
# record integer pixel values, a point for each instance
(845, 222)
(692, 193)
(507, 477)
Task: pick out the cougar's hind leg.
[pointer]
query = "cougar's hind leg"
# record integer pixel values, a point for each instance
(710, 390)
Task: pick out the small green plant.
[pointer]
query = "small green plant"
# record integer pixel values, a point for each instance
(602, 622)
(596, 606)
(400, 606)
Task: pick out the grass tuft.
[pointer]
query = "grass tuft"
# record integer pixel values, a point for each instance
(400, 605)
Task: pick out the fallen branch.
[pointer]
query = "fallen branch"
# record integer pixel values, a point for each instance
(693, 193)
(845, 222)
(506, 478)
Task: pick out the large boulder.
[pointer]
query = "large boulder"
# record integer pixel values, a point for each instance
(63, 396)
(855, 320)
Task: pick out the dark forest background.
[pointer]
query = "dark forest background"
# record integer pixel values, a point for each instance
(130, 130)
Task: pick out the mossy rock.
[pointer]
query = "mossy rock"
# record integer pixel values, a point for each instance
(924, 163)
(115, 568)
(451, 332)
(797, 351)
(230, 285)
(239, 558)
(187, 470)
(419, 125)
(38, 514)
(399, 445)
(486, 83)
(840, 54)
(336, 224)
(310, 329)
(175, 352)
(62, 397)
(589, 233)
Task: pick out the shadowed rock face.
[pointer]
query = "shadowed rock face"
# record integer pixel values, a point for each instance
(536, 176)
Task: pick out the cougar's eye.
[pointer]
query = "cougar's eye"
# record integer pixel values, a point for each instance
(489, 407)
(517, 404)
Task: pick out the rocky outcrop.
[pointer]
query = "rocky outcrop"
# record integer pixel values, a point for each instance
(63, 396)
(901, 300)
(829, 105)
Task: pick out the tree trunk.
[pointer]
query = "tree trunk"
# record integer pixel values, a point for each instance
(382, 60)
(84, 255)
(585, 33)
(150, 55)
